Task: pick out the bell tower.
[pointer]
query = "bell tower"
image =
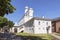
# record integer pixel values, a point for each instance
(28, 12)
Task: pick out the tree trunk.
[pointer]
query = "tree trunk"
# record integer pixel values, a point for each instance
(0, 29)
(10, 29)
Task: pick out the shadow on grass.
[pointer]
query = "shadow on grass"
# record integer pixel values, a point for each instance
(30, 37)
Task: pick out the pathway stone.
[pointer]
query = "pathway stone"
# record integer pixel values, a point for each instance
(55, 37)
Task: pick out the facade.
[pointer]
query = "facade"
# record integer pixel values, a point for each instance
(56, 25)
(38, 25)
(17, 29)
(34, 25)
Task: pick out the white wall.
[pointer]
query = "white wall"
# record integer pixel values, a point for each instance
(24, 20)
(42, 27)
(21, 21)
(29, 27)
(12, 29)
(27, 16)
(19, 29)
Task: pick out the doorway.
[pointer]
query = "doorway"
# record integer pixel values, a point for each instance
(15, 30)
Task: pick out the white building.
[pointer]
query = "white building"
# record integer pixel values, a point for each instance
(34, 25)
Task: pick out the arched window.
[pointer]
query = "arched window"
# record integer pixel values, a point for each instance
(15, 30)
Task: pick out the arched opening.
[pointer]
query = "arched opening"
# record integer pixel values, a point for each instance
(15, 30)
(22, 31)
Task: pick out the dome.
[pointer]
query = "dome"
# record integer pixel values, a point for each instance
(26, 7)
(30, 8)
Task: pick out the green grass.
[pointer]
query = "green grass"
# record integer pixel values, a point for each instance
(34, 36)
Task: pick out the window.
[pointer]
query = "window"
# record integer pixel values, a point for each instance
(39, 28)
(48, 27)
(32, 22)
(30, 28)
(43, 21)
(27, 14)
(43, 28)
(21, 27)
(39, 23)
(47, 23)
(59, 30)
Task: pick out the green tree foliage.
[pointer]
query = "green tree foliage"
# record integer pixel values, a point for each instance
(6, 7)
(3, 21)
(10, 24)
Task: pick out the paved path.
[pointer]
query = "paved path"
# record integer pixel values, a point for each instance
(55, 37)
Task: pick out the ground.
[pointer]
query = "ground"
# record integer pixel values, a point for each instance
(58, 34)
(27, 36)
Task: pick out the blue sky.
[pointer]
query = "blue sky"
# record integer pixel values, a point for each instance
(47, 8)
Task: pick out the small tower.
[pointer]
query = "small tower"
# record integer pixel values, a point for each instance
(26, 11)
(43, 17)
(30, 12)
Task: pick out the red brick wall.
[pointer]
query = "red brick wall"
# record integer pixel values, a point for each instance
(53, 26)
(58, 26)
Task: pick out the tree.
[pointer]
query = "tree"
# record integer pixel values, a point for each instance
(6, 7)
(10, 24)
(3, 22)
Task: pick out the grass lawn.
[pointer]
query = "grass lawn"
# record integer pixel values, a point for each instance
(34, 36)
